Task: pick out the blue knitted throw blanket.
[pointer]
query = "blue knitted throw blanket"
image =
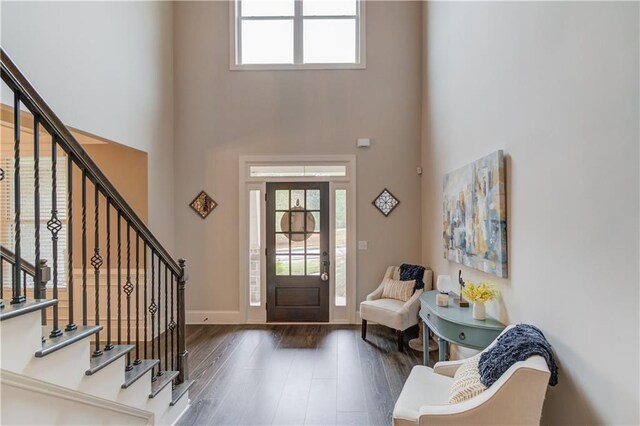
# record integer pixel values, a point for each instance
(412, 272)
(516, 344)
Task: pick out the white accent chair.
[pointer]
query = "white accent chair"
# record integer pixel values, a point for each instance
(515, 399)
(390, 312)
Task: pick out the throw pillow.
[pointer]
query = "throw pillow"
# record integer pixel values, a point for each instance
(466, 383)
(396, 289)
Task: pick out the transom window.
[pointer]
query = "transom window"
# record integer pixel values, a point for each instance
(297, 34)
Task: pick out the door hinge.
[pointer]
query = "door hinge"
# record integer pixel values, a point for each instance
(265, 252)
(265, 197)
(266, 306)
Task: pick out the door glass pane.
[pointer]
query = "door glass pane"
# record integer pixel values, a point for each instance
(297, 221)
(280, 226)
(311, 225)
(313, 243)
(316, 220)
(313, 199)
(297, 265)
(329, 7)
(267, 7)
(341, 248)
(297, 198)
(282, 265)
(282, 244)
(313, 265)
(297, 247)
(329, 41)
(267, 41)
(254, 248)
(282, 199)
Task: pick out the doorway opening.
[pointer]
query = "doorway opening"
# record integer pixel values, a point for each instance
(297, 239)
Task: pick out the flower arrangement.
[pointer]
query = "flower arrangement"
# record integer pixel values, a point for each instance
(482, 292)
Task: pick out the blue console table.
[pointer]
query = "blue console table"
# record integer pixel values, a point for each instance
(453, 324)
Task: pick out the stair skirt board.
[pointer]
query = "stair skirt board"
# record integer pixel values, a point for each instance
(66, 362)
(66, 406)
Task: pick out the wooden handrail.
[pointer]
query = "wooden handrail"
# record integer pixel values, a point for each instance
(10, 257)
(32, 99)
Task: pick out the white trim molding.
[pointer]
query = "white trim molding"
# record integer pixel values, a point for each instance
(235, 40)
(248, 183)
(214, 317)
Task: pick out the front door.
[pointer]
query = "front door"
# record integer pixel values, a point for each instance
(297, 251)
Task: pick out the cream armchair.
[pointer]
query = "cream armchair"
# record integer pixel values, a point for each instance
(515, 399)
(390, 312)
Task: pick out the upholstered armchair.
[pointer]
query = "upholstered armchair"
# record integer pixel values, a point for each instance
(390, 312)
(516, 398)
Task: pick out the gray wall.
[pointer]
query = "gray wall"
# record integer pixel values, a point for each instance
(556, 86)
(222, 114)
(105, 68)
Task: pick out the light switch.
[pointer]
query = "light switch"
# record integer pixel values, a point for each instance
(362, 245)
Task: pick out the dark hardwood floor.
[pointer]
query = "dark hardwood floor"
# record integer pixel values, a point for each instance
(294, 375)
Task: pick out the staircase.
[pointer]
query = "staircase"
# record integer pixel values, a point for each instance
(95, 332)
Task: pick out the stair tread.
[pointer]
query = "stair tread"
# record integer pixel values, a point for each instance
(107, 357)
(10, 311)
(161, 382)
(138, 371)
(51, 345)
(180, 390)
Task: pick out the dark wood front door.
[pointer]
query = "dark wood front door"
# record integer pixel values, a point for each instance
(297, 251)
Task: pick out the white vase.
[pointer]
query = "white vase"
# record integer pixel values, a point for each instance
(479, 311)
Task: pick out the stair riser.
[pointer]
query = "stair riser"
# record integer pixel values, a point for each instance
(174, 412)
(160, 403)
(106, 382)
(136, 395)
(20, 337)
(65, 367)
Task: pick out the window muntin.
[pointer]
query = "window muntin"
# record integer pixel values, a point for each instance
(297, 34)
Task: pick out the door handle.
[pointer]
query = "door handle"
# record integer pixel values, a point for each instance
(324, 276)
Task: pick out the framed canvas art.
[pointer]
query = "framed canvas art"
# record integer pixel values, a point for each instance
(475, 216)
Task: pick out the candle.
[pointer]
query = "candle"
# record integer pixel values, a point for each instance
(442, 299)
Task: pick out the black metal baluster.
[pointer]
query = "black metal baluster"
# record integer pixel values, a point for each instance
(96, 262)
(128, 289)
(144, 312)
(24, 283)
(166, 318)
(153, 308)
(138, 360)
(71, 326)
(109, 344)
(54, 226)
(159, 314)
(2, 281)
(17, 296)
(84, 247)
(36, 207)
(119, 280)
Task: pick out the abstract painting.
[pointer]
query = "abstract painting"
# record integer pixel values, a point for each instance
(475, 216)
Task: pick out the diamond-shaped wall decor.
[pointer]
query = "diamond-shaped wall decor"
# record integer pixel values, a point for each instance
(386, 202)
(203, 204)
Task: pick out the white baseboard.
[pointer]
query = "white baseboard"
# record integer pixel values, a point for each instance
(235, 317)
(214, 317)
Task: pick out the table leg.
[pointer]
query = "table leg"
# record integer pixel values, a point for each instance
(425, 344)
(443, 349)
